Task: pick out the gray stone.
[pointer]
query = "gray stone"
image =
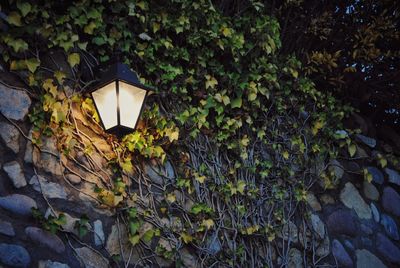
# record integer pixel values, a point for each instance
(10, 135)
(14, 104)
(169, 170)
(29, 149)
(14, 255)
(387, 249)
(342, 222)
(14, 172)
(52, 264)
(6, 228)
(375, 212)
(391, 201)
(295, 258)
(341, 255)
(336, 168)
(349, 245)
(91, 259)
(370, 191)
(394, 176)
(99, 238)
(318, 225)
(366, 229)
(366, 259)
(327, 199)
(49, 189)
(390, 226)
(377, 175)
(367, 140)
(118, 240)
(153, 174)
(323, 249)
(48, 157)
(351, 198)
(188, 259)
(313, 202)
(74, 179)
(214, 244)
(18, 204)
(44, 238)
(289, 231)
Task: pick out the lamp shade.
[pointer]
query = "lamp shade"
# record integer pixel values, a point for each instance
(119, 99)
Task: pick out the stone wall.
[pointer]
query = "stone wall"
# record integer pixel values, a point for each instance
(353, 225)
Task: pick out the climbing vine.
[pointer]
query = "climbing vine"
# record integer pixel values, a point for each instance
(247, 133)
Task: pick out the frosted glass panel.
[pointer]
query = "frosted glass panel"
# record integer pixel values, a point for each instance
(106, 102)
(131, 99)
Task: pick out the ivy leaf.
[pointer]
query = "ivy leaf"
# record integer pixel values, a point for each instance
(59, 76)
(24, 7)
(90, 27)
(209, 223)
(240, 186)
(317, 126)
(211, 82)
(172, 134)
(74, 59)
(14, 18)
(236, 103)
(17, 65)
(187, 238)
(18, 45)
(352, 150)
(199, 178)
(32, 64)
(285, 155)
(134, 239)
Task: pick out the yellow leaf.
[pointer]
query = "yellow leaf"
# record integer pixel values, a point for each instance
(208, 223)
(211, 82)
(352, 150)
(74, 59)
(285, 155)
(240, 186)
(156, 27)
(50, 87)
(199, 178)
(226, 31)
(187, 238)
(89, 28)
(32, 64)
(317, 126)
(171, 198)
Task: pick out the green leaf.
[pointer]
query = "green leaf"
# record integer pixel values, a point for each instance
(24, 7)
(134, 239)
(236, 103)
(18, 45)
(32, 64)
(14, 18)
(74, 59)
(352, 150)
(89, 28)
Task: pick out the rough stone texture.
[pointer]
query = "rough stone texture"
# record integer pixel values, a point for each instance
(289, 231)
(351, 198)
(313, 202)
(367, 140)
(10, 135)
(74, 179)
(18, 204)
(117, 237)
(370, 191)
(295, 258)
(214, 244)
(394, 176)
(29, 149)
(342, 222)
(52, 264)
(44, 238)
(391, 201)
(49, 189)
(377, 175)
(366, 259)
(375, 212)
(14, 172)
(336, 168)
(390, 226)
(14, 255)
(6, 228)
(323, 248)
(91, 259)
(387, 249)
(318, 225)
(341, 255)
(98, 234)
(14, 104)
(47, 159)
